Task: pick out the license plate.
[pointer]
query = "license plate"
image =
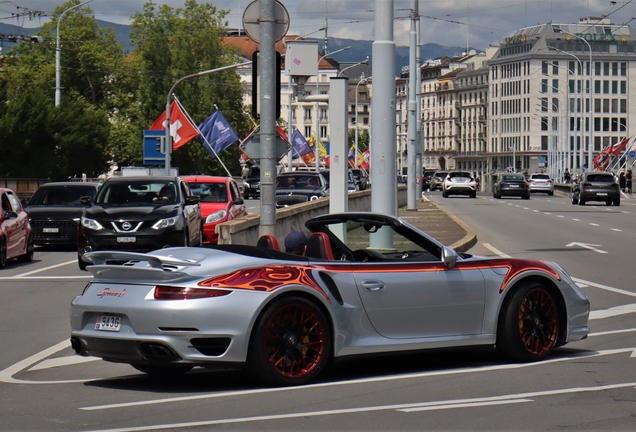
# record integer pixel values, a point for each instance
(108, 323)
(50, 230)
(126, 239)
(514, 185)
(602, 194)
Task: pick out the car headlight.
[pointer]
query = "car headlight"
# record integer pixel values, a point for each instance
(216, 216)
(91, 224)
(165, 223)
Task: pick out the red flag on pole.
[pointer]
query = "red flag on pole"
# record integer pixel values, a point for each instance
(617, 148)
(181, 130)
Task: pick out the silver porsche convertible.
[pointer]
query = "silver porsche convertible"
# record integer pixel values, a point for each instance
(367, 283)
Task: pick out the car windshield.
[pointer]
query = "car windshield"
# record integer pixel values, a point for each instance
(61, 195)
(209, 192)
(513, 177)
(540, 176)
(137, 193)
(298, 181)
(254, 172)
(600, 178)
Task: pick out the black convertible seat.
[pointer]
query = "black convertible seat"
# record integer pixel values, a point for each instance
(319, 246)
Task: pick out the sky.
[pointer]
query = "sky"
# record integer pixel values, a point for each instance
(475, 23)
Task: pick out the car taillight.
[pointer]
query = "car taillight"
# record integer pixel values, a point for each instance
(587, 184)
(550, 181)
(530, 181)
(186, 293)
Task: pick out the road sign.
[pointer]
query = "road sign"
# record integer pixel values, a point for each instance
(154, 147)
(632, 154)
(251, 146)
(251, 21)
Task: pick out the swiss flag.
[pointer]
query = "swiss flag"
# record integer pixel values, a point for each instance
(181, 130)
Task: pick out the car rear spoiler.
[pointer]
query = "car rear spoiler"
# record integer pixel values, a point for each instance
(119, 265)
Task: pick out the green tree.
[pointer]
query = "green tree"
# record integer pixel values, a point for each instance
(58, 142)
(171, 43)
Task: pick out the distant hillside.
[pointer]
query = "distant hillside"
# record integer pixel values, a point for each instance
(359, 51)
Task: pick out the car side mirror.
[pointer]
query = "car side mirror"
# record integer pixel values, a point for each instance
(192, 200)
(238, 201)
(86, 201)
(10, 215)
(449, 257)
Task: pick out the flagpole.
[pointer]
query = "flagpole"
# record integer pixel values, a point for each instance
(171, 91)
(201, 135)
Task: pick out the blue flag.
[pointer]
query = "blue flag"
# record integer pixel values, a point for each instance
(217, 134)
(300, 146)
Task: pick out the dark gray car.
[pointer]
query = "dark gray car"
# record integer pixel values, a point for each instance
(596, 186)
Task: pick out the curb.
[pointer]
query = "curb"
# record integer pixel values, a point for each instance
(469, 240)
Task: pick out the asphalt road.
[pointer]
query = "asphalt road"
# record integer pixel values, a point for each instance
(588, 385)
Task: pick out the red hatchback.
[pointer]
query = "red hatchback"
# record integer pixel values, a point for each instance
(16, 236)
(220, 202)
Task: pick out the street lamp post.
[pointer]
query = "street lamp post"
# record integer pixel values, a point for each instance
(58, 96)
(356, 139)
(167, 124)
(590, 145)
(366, 62)
(317, 150)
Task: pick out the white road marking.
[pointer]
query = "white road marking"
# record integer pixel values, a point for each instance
(495, 250)
(613, 311)
(604, 287)
(590, 246)
(547, 213)
(526, 208)
(575, 356)
(6, 375)
(617, 230)
(576, 220)
(406, 408)
(560, 216)
(62, 361)
(536, 211)
(594, 224)
(463, 405)
(45, 268)
(611, 332)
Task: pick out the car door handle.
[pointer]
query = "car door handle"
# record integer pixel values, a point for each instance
(372, 285)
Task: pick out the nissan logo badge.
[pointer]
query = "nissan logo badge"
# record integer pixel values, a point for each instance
(126, 226)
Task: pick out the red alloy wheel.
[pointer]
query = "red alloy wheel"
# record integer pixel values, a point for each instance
(294, 340)
(538, 321)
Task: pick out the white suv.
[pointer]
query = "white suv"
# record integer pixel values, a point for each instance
(459, 183)
(539, 182)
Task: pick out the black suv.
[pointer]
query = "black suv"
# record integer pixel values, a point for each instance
(55, 210)
(252, 183)
(139, 214)
(596, 186)
(426, 179)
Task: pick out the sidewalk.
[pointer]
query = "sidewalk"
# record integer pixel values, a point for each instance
(441, 224)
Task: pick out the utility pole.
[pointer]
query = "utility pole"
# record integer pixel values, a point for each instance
(412, 121)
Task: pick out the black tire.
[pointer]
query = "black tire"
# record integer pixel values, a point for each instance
(551, 193)
(288, 351)
(473, 195)
(445, 194)
(81, 263)
(529, 323)
(163, 371)
(526, 197)
(608, 202)
(575, 200)
(186, 238)
(498, 196)
(30, 250)
(581, 202)
(617, 202)
(3, 252)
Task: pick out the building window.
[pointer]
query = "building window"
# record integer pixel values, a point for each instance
(307, 113)
(544, 123)
(307, 131)
(365, 121)
(323, 132)
(323, 114)
(555, 86)
(555, 68)
(544, 86)
(544, 143)
(544, 104)
(544, 67)
(623, 87)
